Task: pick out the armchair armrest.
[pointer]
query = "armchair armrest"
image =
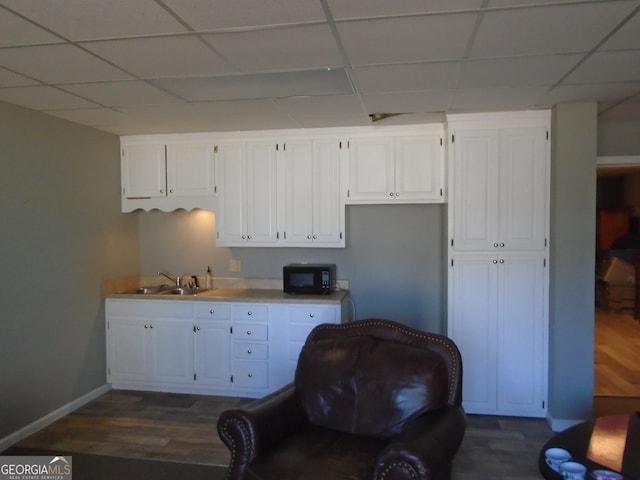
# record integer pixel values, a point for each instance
(425, 448)
(249, 430)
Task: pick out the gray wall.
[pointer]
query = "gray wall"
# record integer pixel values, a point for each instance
(619, 138)
(571, 312)
(393, 258)
(62, 234)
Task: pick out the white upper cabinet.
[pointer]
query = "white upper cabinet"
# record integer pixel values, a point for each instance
(167, 175)
(398, 168)
(313, 210)
(247, 196)
(500, 196)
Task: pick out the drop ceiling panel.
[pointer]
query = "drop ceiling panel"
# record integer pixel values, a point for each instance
(547, 30)
(63, 63)
(515, 71)
(90, 116)
(16, 31)
(307, 108)
(95, 19)
(10, 79)
(115, 94)
(351, 9)
(161, 56)
(628, 36)
(256, 86)
(207, 15)
(431, 101)
(618, 66)
(311, 46)
(43, 98)
(589, 93)
(407, 39)
(497, 99)
(407, 77)
(622, 112)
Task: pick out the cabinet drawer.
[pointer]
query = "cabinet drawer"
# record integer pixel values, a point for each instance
(249, 311)
(250, 374)
(213, 310)
(314, 314)
(250, 351)
(251, 331)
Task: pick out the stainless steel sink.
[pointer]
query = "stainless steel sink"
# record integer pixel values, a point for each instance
(183, 291)
(146, 290)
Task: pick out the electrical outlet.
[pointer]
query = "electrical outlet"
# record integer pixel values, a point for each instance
(234, 265)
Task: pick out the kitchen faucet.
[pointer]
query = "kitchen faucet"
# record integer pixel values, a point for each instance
(177, 279)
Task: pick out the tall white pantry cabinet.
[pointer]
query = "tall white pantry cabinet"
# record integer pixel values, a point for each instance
(498, 258)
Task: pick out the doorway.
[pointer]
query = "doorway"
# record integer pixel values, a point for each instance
(617, 332)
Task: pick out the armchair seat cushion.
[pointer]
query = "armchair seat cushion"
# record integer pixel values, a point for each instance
(317, 453)
(355, 384)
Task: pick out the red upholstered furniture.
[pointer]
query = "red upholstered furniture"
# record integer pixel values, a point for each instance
(372, 399)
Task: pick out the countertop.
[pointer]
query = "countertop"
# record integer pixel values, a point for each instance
(255, 295)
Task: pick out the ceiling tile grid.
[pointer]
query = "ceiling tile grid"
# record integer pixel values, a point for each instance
(150, 66)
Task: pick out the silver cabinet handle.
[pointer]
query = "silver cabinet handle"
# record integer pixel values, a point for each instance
(315, 237)
(146, 326)
(171, 190)
(250, 375)
(397, 194)
(249, 352)
(244, 237)
(391, 194)
(162, 190)
(309, 237)
(198, 327)
(249, 237)
(495, 245)
(312, 315)
(495, 261)
(249, 313)
(502, 260)
(212, 311)
(248, 332)
(502, 244)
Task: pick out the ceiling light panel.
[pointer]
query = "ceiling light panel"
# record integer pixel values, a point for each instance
(205, 15)
(310, 46)
(547, 30)
(55, 64)
(255, 86)
(161, 56)
(98, 19)
(408, 39)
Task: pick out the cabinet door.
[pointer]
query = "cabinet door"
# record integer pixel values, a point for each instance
(475, 176)
(298, 192)
(261, 197)
(171, 350)
(371, 170)
(213, 353)
(418, 169)
(328, 210)
(523, 188)
(231, 217)
(127, 350)
(473, 326)
(521, 319)
(190, 169)
(144, 171)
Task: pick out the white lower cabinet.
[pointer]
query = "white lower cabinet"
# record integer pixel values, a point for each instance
(219, 348)
(497, 317)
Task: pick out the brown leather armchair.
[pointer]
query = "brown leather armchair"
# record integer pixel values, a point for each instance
(371, 399)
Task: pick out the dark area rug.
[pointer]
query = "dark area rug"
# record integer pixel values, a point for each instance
(103, 467)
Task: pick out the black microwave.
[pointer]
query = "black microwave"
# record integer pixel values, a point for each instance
(309, 278)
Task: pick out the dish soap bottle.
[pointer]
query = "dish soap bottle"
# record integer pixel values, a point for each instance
(209, 279)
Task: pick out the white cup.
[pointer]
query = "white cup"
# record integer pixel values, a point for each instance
(573, 471)
(556, 457)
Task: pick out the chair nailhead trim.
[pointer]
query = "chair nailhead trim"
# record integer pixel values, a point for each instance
(402, 465)
(424, 336)
(247, 437)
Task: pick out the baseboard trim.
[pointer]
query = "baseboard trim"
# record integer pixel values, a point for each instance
(48, 419)
(560, 424)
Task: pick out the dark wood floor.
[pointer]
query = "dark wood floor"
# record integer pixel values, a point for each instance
(182, 428)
